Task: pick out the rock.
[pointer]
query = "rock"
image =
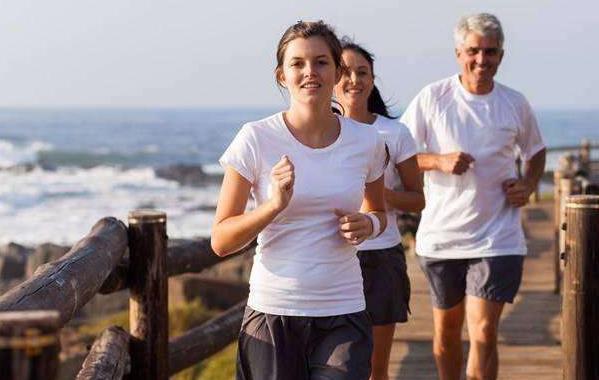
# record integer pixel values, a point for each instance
(44, 254)
(187, 175)
(13, 259)
(214, 293)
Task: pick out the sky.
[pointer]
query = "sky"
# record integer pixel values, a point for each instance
(202, 53)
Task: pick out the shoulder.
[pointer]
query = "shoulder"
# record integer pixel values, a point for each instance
(268, 123)
(515, 100)
(435, 93)
(440, 89)
(358, 133)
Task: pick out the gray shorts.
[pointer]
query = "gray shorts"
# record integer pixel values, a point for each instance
(276, 347)
(386, 284)
(492, 278)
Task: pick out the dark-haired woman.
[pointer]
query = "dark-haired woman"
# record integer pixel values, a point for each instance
(308, 172)
(386, 283)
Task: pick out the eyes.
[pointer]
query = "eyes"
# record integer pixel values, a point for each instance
(297, 63)
(490, 52)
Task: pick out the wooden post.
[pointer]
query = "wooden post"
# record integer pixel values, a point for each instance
(557, 195)
(29, 345)
(566, 186)
(585, 155)
(580, 308)
(148, 305)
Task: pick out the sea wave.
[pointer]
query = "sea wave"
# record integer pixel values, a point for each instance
(61, 206)
(15, 153)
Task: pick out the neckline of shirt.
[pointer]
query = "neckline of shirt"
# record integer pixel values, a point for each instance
(306, 148)
(470, 96)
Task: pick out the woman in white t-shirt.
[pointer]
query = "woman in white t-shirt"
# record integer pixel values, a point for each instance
(383, 263)
(308, 172)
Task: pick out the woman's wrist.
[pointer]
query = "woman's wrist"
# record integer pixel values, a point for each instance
(376, 224)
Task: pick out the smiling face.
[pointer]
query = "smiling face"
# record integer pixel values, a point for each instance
(356, 83)
(479, 57)
(309, 72)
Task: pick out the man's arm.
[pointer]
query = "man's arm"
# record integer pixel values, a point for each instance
(517, 191)
(451, 163)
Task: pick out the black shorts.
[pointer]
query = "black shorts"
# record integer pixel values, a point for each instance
(278, 347)
(495, 278)
(386, 284)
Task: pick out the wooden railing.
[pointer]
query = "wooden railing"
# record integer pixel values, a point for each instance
(32, 313)
(576, 261)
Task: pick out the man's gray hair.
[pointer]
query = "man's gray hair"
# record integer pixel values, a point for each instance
(485, 24)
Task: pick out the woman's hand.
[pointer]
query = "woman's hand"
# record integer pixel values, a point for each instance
(354, 227)
(282, 179)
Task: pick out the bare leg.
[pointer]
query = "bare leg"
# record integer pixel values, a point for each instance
(447, 341)
(482, 317)
(382, 337)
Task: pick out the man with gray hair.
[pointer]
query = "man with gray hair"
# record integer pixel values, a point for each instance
(470, 241)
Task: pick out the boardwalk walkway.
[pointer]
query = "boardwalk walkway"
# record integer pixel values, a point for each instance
(529, 332)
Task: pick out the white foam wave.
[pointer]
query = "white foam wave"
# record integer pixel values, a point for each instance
(12, 154)
(213, 169)
(61, 206)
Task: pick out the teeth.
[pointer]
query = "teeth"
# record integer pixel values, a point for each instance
(311, 85)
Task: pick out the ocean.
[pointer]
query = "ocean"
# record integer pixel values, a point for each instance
(63, 169)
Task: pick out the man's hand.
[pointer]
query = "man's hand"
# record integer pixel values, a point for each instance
(454, 163)
(517, 191)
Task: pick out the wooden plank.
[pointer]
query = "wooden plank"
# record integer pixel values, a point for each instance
(203, 341)
(109, 356)
(529, 341)
(29, 345)
(68, 283)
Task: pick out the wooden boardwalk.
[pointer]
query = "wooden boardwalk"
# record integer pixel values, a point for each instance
(529, 341)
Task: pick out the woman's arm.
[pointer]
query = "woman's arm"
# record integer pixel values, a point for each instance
(232, 228)
(411, 199)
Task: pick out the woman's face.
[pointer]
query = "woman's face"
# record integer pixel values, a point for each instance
(309, 72)
(356, 83)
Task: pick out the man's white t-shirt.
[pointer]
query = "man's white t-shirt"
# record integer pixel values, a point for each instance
(401, 146)
(467, 216)
(302, 266)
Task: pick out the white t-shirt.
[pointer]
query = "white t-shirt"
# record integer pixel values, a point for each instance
(401, 147)
(467, 216)
(302, 266)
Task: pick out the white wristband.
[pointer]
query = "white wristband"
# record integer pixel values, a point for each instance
(376, 225)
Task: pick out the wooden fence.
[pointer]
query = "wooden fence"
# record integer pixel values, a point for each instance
(576, 262)
(32, 313)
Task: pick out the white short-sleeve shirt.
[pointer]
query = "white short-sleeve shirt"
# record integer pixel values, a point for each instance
(467, 216)
(401, 146)
(302, 266)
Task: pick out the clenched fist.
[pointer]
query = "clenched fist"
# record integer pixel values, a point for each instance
(517, 191)
(455, 163)
(282, 179)
(354, 227)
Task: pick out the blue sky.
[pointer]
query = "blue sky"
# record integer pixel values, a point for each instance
(221, 53)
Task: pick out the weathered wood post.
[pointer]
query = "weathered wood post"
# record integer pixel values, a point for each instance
(585, 155)
(557, 194)
(566, 188)
(148, 305)
(29, 345)
(580, 308)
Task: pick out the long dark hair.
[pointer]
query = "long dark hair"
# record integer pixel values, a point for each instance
(376, 104)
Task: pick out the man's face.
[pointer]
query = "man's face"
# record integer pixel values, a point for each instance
(479, 57)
